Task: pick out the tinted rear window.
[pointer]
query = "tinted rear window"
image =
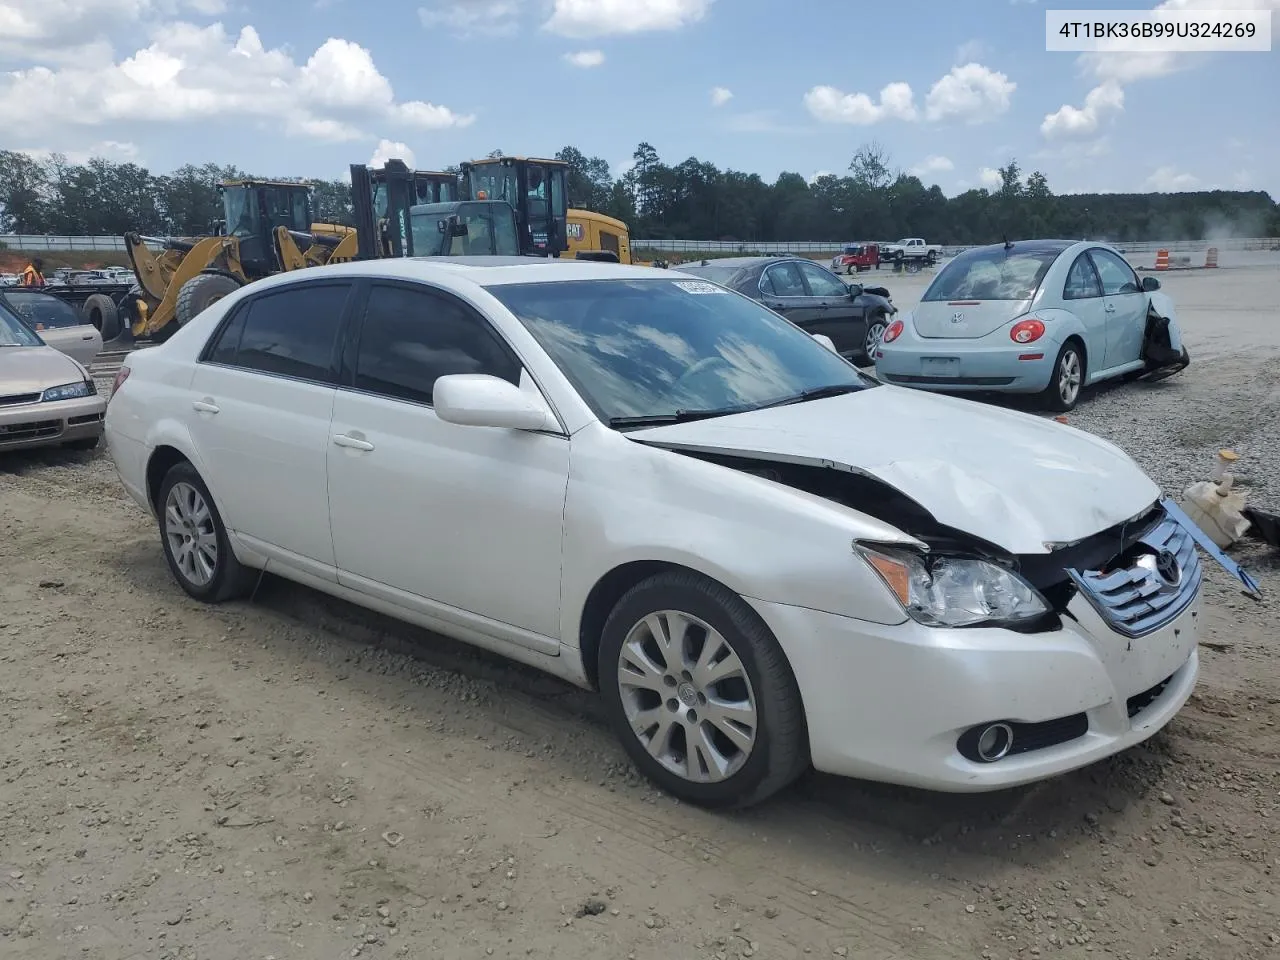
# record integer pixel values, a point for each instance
(291, 332)
(992, 273)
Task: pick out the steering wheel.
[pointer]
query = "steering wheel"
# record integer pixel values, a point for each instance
(701, 367)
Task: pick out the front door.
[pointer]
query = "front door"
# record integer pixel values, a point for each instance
(783, 290)
(464, 518)
(839, 316)
(1125, 305)
(1082, 293)
(260, 403)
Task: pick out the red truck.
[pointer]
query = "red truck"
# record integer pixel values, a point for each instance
(856, 257)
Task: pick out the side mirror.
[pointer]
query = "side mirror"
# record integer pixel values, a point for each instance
(479, 400)
(1150, 284)
(826, 341)
(855, 291)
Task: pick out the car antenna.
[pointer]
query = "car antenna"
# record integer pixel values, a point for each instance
(1007, 244)
(706, 263)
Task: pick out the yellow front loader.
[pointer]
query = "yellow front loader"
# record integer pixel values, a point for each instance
(267, 228)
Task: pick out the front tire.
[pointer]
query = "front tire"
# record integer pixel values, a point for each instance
(875, 331)
(700, 693)
(202, 291)
(195, 540)
(1067, 381)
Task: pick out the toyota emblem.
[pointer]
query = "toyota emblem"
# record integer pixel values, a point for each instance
(1167, 568)
(957, 317)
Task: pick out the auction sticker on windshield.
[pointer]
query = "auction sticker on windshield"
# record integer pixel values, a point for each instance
(698, 286)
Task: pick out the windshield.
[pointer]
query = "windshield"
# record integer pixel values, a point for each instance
(659, 348)
(491, 231)
(14, 333)
(43, 312)
(992, 273)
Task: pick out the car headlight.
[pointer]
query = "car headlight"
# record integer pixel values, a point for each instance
(951, 591)
(70, 391)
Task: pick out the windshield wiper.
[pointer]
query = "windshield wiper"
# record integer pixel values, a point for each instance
(815, 393)
(679, 416)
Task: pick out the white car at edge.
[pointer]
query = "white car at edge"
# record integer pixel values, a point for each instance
(641, 482)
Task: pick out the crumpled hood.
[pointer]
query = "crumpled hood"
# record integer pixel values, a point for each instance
(1012, 479)
(33, 369)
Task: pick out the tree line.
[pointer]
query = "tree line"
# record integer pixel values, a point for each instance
(692, 200)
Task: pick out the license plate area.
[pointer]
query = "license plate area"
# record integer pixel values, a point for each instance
(940, 366)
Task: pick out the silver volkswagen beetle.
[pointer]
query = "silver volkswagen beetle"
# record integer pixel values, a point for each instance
(1045, 317)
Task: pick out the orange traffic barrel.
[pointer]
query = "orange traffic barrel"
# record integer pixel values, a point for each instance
(1162, 259)
(1211, 258)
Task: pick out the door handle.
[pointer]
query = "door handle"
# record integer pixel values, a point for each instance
(823, 306)
(352, 443)
(1111, 308)
(87, 336)
(204, 406)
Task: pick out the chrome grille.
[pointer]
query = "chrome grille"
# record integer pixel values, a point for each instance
(1135, 599)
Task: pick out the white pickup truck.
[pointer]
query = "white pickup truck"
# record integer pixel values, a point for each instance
(910, 248)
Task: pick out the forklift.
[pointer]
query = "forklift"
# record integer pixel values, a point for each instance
(536, 189)
(391, 222)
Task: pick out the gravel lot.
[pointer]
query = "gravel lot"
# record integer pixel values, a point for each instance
(294, 778)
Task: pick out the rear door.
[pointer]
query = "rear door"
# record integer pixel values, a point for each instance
(260, 405)
(1125, 305)
(1082, 295)
(837, 314)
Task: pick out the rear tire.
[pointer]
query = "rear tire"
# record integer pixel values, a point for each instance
(1067, 380)
(101, 311)
(741, 683)
(200, 292)
(195, 540)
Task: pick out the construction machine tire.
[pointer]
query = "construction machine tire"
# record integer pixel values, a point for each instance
(126, 314)
(200, 292)
(101, 311)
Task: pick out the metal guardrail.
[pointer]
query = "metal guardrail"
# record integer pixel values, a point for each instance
(14, 241)
(811, 246)
(106, 244)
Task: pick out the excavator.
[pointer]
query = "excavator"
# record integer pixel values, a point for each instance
(267, 228)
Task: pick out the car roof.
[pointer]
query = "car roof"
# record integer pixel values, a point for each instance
(481, 271)
(1034, 246)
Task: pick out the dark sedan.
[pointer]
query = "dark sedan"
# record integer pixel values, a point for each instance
(810, 296)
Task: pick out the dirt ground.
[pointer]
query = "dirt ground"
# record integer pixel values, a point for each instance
(294, 778)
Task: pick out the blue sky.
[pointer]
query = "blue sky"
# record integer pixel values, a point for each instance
(951, 88)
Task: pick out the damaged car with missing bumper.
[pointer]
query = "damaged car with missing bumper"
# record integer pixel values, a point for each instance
(1044, 317)
(653, 486)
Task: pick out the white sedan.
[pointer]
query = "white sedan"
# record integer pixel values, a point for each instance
(644, 483)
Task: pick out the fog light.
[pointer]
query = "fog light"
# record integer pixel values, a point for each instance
(994, 742)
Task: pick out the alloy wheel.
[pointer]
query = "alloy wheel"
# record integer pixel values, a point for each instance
(687, 696)
(189, 530)
(875, 330)
(1069, 377)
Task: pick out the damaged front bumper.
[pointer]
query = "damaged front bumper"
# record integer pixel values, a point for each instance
(904, 703)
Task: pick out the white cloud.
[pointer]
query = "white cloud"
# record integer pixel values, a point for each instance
(192, 73)
(1131, 67)
(818, 175)
(720, 96)
(835, 106)
(1102, 102)
(990, 178)
(392, 150)
(113, 150)
(933, 164)
(584, 59)
(473, 17)
(1169, 180)
(598, 18)
(972, 92)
